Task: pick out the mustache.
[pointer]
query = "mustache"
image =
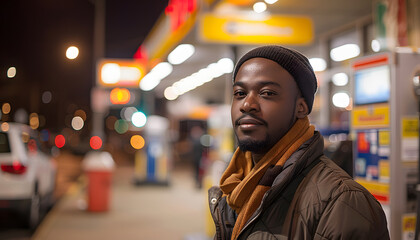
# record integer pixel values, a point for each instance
(250, 116)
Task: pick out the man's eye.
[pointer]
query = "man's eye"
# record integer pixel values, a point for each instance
(268, 93)
(238, 93)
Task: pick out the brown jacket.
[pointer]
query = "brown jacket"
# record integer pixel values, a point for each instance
(312, 198)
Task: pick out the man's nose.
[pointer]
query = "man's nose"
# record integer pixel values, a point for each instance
(250, 104)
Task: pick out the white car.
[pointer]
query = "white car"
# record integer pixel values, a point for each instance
(27, 174)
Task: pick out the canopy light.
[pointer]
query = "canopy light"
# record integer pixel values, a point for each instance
(341, 100)
(340, 79)
(212, 71)
(153, 78)
(344, 52)
(181, 53)
(259, 7)
(318, 64)
(375, 45)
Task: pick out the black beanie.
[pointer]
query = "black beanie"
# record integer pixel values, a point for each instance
(294, 62)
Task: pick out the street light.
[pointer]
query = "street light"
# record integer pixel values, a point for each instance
(11, 72)
(72, 52)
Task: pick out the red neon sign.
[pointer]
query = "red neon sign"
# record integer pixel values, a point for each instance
(179, 10)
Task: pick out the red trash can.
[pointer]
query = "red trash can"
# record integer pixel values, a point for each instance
(99, 167)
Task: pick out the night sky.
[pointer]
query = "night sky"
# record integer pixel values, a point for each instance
(35, 35)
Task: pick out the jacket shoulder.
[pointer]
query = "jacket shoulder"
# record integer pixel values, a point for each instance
(327, 195)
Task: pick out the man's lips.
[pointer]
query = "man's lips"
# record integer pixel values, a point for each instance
(247, 122)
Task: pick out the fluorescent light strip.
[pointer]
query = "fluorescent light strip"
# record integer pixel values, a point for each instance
(212, 71)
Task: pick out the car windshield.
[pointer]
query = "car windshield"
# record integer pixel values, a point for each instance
(4, 143)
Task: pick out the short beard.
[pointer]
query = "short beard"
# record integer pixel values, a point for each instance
(254, 146)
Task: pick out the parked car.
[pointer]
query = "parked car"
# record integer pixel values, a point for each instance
(27, 175)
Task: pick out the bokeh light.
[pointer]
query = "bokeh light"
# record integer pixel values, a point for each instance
(11, 72)
(181, 53)
(32, 146)
(127, 112)
(259, 7)
(344, 52)
(139, 119)
(170, 93)
(46, 97)
(95, 142)
(340, 79)
(202, 76)
(110, 73)
(77, 123)
(110, 122)
(153, 78)
(206, 140)
(5, 127)
(21, 116)
(34, 120)
(341, 99)
(25, 137)
(72, 52)
(119, 96)
(375, 45)
(44, 135)
(121, 126)
(318, 64)
(60, 141)
(80, 113)
(6, 108)
(137, 142)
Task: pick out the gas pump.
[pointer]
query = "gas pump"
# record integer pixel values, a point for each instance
(384, 126)
(152, 162)
(416, 88)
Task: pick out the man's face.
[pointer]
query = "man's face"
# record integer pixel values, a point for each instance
(264, 104)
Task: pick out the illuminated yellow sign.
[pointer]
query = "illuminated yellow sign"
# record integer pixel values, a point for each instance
(410, 127)
(370, 116)
(120, 73)
(242, 29)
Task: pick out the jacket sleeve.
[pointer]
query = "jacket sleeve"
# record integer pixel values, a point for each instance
(353, 214)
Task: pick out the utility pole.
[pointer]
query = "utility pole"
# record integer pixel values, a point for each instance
(97, 95)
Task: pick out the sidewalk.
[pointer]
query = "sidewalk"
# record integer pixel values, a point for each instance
(177, 211)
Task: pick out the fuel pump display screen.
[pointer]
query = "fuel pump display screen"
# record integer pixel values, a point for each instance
(372, 85)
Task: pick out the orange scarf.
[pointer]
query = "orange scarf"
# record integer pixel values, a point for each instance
(241, 181)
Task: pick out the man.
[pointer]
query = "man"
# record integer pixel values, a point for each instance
(279, 185)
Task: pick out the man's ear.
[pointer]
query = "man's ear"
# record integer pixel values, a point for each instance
(302, 109)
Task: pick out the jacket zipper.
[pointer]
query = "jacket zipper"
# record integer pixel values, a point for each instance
(259, 210)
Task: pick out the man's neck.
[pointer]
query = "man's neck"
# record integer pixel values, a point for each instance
(256, 157)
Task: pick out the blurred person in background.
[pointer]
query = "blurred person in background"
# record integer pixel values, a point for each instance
(197, 153)
(279, 184)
